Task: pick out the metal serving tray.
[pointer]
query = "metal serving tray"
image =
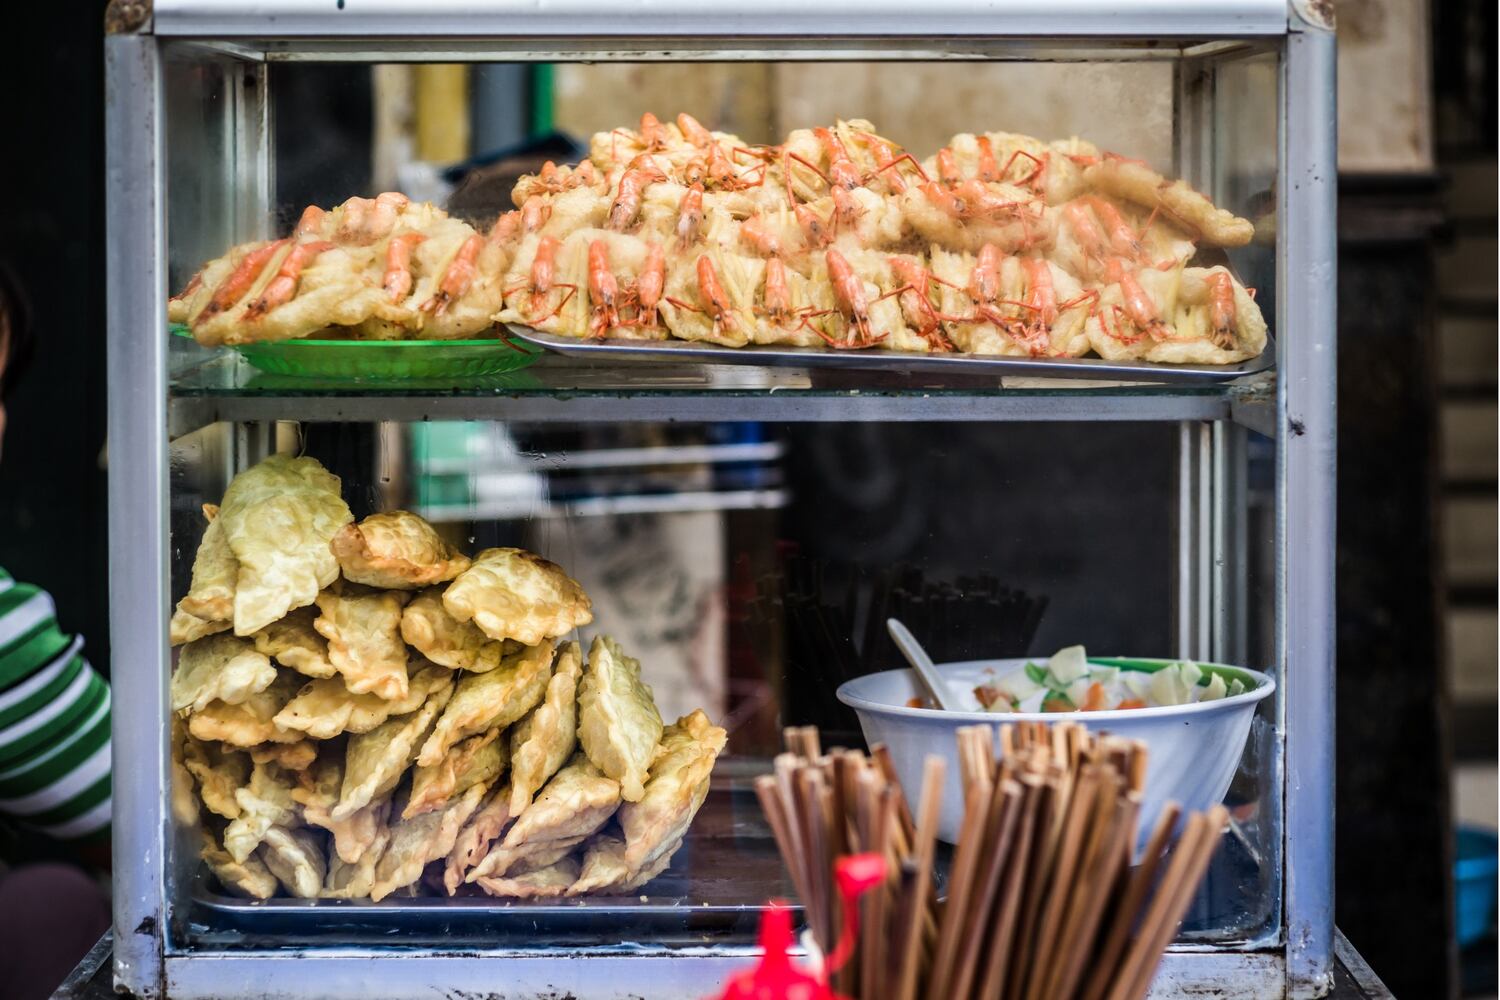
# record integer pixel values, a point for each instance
(661, 351)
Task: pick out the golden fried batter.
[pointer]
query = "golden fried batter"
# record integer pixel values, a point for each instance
(618, 723)
(515, 594)
(396, 550)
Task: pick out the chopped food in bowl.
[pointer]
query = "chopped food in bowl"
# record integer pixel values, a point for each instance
(1071, 682)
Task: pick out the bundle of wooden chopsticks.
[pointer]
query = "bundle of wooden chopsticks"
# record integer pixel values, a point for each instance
(1042, 901)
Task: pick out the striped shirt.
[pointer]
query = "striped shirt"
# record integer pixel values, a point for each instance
(54, 722)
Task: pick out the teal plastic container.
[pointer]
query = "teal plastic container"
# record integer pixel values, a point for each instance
(1474, 874)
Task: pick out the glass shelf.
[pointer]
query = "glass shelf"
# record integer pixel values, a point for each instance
(562, 389)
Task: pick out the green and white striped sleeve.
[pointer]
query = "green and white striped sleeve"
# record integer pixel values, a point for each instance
(54, 722)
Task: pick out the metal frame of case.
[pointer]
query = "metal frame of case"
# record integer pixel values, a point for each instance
(143, 418)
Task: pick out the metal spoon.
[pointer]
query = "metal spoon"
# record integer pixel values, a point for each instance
(937, 688)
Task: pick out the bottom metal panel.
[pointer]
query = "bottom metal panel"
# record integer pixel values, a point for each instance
(377, 975)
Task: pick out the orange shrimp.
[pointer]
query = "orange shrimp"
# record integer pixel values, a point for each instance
(716, 304)
(917, 305)
(690, 216)
(1122, 239)
(398, 279)
(947, 167)
(543, 278)
(814, 229)
(194, 283)
(283, 286)
(310, 222)
(984, 289)
(760, 237)
(886, 159)
(989, 170)
(653, 133)
(604, 291)
(1085, 230)
(853, 303)
(506, 226)
(1139, 307)
(352, 220)
(633, 182)
(244, 275)
(649, 284)
(457, 278)
(1222, 310)
(383, 214)
(535, 211)
(777, 294)
(846, 211)
(842, 171)
(694, 132)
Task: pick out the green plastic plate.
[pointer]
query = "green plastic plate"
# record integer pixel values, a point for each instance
(386, 359)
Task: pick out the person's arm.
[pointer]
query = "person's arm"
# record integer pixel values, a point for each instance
(54, 726)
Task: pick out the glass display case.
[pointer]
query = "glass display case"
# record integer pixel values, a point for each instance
(1179, 516)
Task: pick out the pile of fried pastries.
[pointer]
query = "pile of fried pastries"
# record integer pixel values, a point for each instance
(363, 711)
(998, 244)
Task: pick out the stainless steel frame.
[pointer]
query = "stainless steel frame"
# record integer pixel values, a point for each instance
(150, 960)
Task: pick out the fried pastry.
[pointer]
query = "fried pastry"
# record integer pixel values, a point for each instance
(317, 792)
(265, 802)
(290, 756)
(491, 700)
(477, 836)
(209, 603)
(375, 761)
(542, 883)
(279, 517)
(219, 668)
(577, 801)
(220, 772)
(249, 723)
(184, 801)
(655, 825)
(249, 878)
(295, 857)
(1137, 182)
(414, 842)
(618, 723)
(294, 642)
(364, 640)
(544, 740)
(607, 873)
(355, 879)
(324, 708)
(515, 594)
(474, 761)
(396, 550)
(428, 628)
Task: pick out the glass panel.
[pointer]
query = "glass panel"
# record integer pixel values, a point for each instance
(744, 560)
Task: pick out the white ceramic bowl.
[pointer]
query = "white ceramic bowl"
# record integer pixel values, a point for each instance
(1194, 749)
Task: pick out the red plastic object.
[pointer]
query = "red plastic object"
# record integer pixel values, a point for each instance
(775, 977)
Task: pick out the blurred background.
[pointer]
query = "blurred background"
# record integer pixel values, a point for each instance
(1417, 624)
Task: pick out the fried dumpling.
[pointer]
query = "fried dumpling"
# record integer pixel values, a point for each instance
(317, 792)
(355, 879)
(375, 761)
(219, 668)
(515, 594)
(220, 771)
(185, 627)
(576, 802)
(294, 642)
(184, 801)
(474, 761)
(618, 723)
(279, 517)
(295, 857)
(541, 883)
(544, 740)
(428, 628)
(396, 550)
(655, 825)
(606, 872)
(324, 708)
(291, 756)
(249, 723)
(364, 640)
(209, 604)
(477, 836)
(491, 700)
(414, 842)
(249, 878)
(265, 802)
